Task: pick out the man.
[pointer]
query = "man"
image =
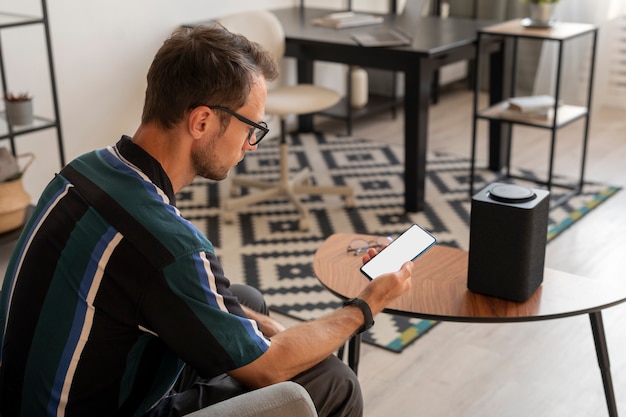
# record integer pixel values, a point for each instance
(110, 293)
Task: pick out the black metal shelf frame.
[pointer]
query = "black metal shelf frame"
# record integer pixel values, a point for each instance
(562, 114)
(7, 130)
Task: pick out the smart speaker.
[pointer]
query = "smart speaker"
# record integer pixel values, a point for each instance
(508, 229)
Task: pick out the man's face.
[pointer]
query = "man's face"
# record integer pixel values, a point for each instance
(214, 156)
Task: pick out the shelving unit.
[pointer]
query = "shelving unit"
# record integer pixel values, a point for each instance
(511, 32)
(12, 133)
(8, 131)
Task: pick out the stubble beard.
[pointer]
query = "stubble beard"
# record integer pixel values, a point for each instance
(206, 162)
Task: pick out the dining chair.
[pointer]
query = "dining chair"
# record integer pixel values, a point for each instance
(282, 101)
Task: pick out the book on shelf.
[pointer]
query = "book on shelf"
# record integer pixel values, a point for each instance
(342, 20)
(528, 104)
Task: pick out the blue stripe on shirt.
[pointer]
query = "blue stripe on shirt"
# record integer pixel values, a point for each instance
(78, 323)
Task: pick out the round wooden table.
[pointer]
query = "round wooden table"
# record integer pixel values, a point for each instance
(439, 292)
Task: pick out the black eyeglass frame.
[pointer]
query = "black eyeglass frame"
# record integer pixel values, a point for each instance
(260, 126)
(377, 243)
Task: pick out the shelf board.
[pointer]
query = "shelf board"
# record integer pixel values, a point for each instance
(8, 20)
(375, 104)
(566, 114)
(560, 30)
(39, 123)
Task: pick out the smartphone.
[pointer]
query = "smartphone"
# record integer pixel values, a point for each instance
(409, 245)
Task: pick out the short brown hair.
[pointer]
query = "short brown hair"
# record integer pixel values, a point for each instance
(203, 65)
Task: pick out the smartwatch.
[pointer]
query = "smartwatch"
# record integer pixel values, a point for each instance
(365, 309)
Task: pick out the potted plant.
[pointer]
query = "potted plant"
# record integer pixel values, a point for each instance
(541, 11)
(19, 108)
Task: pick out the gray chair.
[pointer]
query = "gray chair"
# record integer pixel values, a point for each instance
(286, 399)
(264, 27)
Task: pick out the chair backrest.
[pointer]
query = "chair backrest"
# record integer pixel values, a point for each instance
(260, 26)
(414, 9)
(412, 12)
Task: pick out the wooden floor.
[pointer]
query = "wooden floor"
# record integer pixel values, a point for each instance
(526, 369)
(523, 369)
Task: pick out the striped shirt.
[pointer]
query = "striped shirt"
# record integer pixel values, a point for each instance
(109, 292)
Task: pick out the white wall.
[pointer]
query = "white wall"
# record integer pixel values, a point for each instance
(102, 51)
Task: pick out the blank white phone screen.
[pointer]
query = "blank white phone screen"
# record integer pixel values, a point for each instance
(408, 246)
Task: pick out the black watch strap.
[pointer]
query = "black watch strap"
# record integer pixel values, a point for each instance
(365, 309)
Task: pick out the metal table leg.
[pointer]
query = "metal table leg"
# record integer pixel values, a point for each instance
(597, 327)
(354, 353)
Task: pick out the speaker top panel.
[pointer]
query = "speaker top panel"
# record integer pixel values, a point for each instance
(511, 194)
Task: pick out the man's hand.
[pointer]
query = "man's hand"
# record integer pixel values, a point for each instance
(371, 252)
(302, 346)
(387, 287)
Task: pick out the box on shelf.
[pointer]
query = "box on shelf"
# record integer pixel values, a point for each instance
(540, 107)
(545, 114)
(531, 104)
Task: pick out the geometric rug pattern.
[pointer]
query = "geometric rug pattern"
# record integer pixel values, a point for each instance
(264, 247)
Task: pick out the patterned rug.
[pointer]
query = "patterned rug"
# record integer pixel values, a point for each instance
(265, 249)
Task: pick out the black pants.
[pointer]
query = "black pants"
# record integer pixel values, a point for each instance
(332, 385)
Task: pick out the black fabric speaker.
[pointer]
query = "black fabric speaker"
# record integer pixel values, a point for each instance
(508, 230)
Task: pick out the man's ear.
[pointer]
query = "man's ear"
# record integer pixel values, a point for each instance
(199, 121)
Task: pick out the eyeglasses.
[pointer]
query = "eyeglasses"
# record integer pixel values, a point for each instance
(359, 246)
(258, 130)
